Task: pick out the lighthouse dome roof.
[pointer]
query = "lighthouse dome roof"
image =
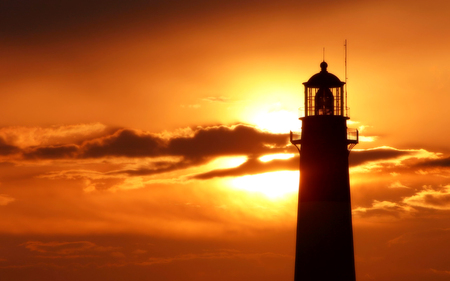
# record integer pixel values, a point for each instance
(324, 79)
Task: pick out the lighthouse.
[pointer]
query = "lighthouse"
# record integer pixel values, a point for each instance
(324, 248)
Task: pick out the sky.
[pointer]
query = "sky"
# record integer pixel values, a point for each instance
(148, 140)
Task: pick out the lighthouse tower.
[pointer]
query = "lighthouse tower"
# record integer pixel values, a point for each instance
(324, 249)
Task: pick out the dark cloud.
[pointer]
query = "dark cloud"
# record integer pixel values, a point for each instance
(359, 157)
(6, 149)
(125, 143)
(208, 143)
(204, 144)
(434, 163)
(252, 166)
(162, 167)
(223, 141)
(51, 152)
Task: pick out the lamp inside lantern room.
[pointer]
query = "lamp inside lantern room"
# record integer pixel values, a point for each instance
(324, 102)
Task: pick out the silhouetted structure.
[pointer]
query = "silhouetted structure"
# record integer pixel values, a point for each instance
(324, 250)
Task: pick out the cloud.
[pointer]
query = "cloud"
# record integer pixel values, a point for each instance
(223, 141)
(168, 152)
(252, 166)
(383, 208)
(23, 137)
(216, 99)
(139, 252)
(160, 167)
(404, 201)
(201, 143)
(220, 255)
(95, 180)
(397, 184)
(358, 157)
(440, 272)
(123, 143)
(6, 149)
(51, 152)
(194, 106)
(431, 198)
(62, 248)
(5, 199)
(434, 163)
(75, 249)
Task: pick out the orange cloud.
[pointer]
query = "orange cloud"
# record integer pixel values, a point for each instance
(5, 199)
(438, 198)
(44, 136)
(382, 209)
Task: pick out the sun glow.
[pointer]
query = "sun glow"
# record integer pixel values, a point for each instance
(274, 185)
(280, 121)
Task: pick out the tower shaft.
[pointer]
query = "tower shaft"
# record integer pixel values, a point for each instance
(324, 249)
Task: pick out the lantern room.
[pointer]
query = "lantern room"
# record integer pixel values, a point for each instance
(324, 94)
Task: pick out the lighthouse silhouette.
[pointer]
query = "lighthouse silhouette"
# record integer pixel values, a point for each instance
(324, 248)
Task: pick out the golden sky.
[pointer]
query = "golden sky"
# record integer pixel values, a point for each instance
(148, 140)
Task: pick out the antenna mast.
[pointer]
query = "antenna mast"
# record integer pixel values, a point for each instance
(345, 62)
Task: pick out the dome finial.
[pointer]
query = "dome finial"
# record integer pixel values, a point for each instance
(323, 66)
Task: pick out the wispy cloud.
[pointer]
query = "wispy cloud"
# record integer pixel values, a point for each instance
(5, 199)
(193, 106)
(383, 208)
(438, 198)
(222, 255)
(22, 137)
(397, 184)
(73, 249)
(220, 99)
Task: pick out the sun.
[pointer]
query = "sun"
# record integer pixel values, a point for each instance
(274, 185)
